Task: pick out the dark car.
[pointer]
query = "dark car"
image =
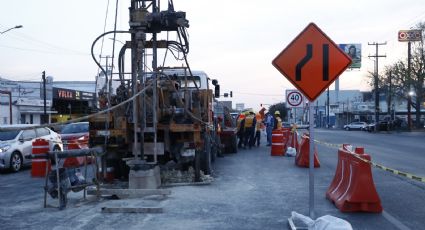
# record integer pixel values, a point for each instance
(383, 126)
(75, 135)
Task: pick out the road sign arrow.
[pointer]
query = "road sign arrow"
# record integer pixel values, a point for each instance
(312, 61)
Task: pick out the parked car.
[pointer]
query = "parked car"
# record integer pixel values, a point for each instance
(16, 145)
(75, 133)
(383, 126)
(356, 126)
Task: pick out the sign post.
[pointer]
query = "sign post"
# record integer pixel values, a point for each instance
(312, 62)
(311, 160)
(409, 36)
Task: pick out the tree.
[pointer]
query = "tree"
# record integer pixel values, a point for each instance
(281, 107)
(401, 84)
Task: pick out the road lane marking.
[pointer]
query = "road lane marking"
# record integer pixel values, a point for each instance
(394, 221)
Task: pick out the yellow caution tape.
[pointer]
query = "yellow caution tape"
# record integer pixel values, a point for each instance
(393, 171)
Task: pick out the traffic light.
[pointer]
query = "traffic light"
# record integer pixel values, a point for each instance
(231, 94)
(217, 91)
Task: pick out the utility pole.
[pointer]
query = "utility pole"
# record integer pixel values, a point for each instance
(389, 95)
(44, 121)
(376, 56)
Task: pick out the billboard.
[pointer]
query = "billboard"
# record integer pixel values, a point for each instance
(354, 50)
(409, 35)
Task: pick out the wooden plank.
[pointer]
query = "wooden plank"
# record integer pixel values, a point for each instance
(130, 192)
(187, 184)
(132, 210)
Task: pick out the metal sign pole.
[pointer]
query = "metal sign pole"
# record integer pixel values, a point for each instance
(311, 161)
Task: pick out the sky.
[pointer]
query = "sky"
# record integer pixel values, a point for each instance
(232, 41)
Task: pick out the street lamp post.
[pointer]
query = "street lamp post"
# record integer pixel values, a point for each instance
(15, 27)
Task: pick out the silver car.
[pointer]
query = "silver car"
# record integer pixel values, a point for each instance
(356, 125)
(16, 144)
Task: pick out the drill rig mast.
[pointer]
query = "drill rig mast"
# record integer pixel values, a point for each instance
(171, 116)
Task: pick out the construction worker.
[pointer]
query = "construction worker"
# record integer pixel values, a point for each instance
(269, 127)
(250, 123)
(258, 127)
(240, 124)
(277, 121)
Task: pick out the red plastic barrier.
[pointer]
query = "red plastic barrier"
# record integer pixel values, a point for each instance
(38, 166)
(302, 157)
(74, 161)
(339, 175)
(293, 141)
(278, 143)
(353, 189)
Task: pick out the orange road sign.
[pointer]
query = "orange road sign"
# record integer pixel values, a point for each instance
(312, 61)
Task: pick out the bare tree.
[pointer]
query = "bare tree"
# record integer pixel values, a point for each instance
(396, 82)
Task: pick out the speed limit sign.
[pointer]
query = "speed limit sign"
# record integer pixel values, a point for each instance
(294, 98)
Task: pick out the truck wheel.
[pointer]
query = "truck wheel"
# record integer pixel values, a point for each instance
(234, 147)
(206, 156)
(215, 150)
(198, 166)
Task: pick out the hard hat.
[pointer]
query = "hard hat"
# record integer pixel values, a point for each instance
(277, 112)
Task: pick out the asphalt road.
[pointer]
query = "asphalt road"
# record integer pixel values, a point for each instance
(251, 190)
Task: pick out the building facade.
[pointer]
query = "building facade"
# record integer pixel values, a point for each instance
(62, 100)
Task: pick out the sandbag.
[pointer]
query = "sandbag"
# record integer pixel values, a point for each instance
(326, 222)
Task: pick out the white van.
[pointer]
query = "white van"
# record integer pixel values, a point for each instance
(16, 144)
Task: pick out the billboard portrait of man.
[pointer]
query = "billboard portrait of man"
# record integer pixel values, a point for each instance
(354, 51)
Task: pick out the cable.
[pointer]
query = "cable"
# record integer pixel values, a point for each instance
(101, 48)
(42, 51)
(113, 48)
(94, 43)
(81, 118)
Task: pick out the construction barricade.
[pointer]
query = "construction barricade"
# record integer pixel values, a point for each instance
(279, 142)
(352, 188)
(40, 167)
(302, 157)
(293, 140)
(74, 161)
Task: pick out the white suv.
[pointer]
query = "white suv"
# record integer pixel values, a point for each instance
(355, 125)
(16, 144)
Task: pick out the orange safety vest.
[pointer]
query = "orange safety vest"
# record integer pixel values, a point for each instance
(249, 120)
(259, 124)
(238, 122)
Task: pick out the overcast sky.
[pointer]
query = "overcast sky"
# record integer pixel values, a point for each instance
(233, 41)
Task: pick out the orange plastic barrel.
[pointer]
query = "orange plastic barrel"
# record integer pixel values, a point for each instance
(38, 166)
(71, 162)
(278, 145)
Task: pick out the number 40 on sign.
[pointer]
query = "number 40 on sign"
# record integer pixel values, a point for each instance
(294, 99)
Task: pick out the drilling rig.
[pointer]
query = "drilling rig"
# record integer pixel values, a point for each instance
(159, 114)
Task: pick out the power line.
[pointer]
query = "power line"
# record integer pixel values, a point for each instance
(259, 94)
(376, 56)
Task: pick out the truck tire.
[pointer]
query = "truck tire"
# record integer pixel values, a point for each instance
(197, 165)
(234, 147)
(206, 156)
(215, 148)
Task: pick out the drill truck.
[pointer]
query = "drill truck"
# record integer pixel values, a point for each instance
(185, 130)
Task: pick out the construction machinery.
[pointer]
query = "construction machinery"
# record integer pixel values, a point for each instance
(159, 114)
